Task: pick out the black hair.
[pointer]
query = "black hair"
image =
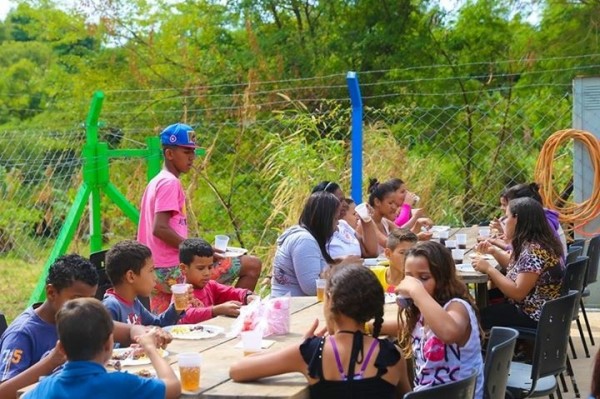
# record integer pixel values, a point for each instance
(525, 190)
(379, 190)
(396, 183)
(328, 186)
(194, 247)
(70, 268)
(126, 255)
(354, 291)
(318, 217)
(397, 236)
(532, 227)
(348, 200)
(84, 326)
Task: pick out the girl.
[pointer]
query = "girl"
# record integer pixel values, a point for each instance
(347, 363)
(440, 330)
(407, 216)
(382, 199)
(535, 268)
(302, 249)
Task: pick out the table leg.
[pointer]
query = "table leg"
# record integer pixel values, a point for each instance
(481, 295)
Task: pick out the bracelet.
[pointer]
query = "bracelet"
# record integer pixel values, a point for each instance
(368, 328)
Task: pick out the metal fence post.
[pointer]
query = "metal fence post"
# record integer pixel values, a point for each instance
(357, 135)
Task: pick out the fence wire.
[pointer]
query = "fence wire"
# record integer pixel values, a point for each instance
(456, 138)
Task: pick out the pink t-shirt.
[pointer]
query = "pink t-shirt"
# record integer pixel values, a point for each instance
(164, 193)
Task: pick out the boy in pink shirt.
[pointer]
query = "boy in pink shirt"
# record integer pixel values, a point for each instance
(210, 297)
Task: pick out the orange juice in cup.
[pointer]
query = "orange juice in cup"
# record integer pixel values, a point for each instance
(180, 295)
(189, 370)
(321, 282)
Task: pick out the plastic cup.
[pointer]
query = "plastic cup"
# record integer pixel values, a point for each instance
(251, 341)
(458, 255)
(417, 199)
(484, 232)
(189, 370)
(451, 244)
(321, 282)
(363, 211)
(461, 241)
(443, 236)
(221, 242)
(181, 297)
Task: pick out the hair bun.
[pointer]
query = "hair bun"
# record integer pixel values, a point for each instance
(373, 183)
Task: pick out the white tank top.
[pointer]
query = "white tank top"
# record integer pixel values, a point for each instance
(438, 363)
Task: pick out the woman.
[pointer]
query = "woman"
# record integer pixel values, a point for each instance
(535, 269)
(302, 249)
(347, 245)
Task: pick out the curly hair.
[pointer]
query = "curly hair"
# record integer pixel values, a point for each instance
(354, 291)
(447, 287)
(70, 268)
(194, 247)
(123, 256)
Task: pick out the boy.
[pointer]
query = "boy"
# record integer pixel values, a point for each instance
(28, 347)
(130, 268)
(85, 330)
(398, 242)
(163, 221)
(211, 298)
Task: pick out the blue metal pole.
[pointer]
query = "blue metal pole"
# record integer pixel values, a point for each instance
(357, 135)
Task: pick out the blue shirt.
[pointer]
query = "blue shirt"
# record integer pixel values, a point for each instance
(24, 343)
(134, 312)
(83, 379)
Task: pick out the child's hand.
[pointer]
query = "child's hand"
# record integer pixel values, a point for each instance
(425, 222)
(56, 356)
(409, 287)
(148, 340)
(251, 298)
(312, 331)
(161, 337)
(484, 247)
(409, 198)
(230, 308)
(481, 265)
(217, 254)
(495, 224)
(424, 235)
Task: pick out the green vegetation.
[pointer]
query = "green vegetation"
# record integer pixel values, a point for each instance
(457, 104)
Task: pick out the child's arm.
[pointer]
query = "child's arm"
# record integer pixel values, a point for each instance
(162, 367)
(451, 325)
(368, 238)
(258, 366)
(28, 375)
(167, 318)
(195, 315)
(403, 218)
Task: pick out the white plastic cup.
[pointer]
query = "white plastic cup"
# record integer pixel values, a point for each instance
(451, 244)
(461, 241)
(417, 199)
(221, 242)
(363, 211)
(251, 341)
(458, 255)
(484, 232)
(180, 295)
(189, 370)
(320, 283)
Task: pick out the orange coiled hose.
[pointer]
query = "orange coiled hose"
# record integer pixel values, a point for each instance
(571, 213)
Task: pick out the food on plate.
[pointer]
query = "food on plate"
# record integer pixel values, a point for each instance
(145, 373)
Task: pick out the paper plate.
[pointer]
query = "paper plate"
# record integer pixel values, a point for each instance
(390, 298)
(466, 268)
(194, 331)
(370, 261)
(234, 252)
(482, 256)
(130, 361)
(439, 228)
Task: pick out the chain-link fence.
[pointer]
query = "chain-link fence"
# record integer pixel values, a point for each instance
(455, 136)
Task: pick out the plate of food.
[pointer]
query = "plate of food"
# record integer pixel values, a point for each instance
(235, 252)
(482, 256)
(194, 331)
(133, 356)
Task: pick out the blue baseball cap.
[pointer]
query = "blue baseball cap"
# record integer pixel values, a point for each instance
(180, 135)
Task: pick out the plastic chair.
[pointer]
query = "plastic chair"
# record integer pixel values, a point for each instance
(550, 351)
(463, 389)
(593, 252)
(580, 242)
(3, 324)
(499, 353)
(573, 253)
(573, 281)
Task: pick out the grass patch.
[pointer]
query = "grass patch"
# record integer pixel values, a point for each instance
(17, 281)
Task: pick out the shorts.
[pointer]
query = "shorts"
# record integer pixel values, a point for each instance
(226, 271)
(161, 294)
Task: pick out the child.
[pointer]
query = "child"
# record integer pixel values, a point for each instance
(27, 347)
(399, 241)
(210, 297)
(441, 330)
(163, 221)
(130, 269)
(85, 330)
(347, 359)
